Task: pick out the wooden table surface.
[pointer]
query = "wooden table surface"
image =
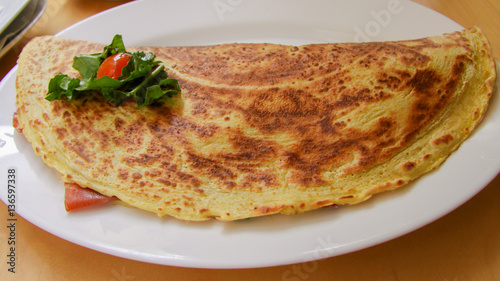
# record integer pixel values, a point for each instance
(463, 245)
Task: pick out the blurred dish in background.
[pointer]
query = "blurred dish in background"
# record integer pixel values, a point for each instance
(9, 9)
(20, 22)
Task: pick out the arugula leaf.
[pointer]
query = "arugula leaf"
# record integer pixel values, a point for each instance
(115, 47)
(87, 65)
(139, 65)
(61, 88)
(143, 78)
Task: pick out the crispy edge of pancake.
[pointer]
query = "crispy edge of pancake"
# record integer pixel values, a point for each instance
(477, 86)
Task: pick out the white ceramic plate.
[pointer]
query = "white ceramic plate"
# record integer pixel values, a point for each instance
(9, 9)
(265, 241)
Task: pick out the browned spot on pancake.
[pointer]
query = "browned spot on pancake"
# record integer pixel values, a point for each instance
(323, 202)
(79, 148)
(199, 108)
(189, 178)
(58, 109)
(249, 150)
(36, 123)
(457, 72)
(101, 137)
(209, 166)
(307, 181)
(409, 165)
(313, 156)
(296, 112)
(267, 179)
(123, 174)
(61, 133)
(166, 182)
(385, 127)
(424, 80)
(143, 159)
(276, 109)
(390, 81)
(269, 209)
(66, 114)
(294, 160)
(446, 139)
(178, 125)
(199, 190)
(119, 122)
(432, 99)
(46, 116)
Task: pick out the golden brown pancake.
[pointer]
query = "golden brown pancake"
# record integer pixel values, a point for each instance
(261, 128)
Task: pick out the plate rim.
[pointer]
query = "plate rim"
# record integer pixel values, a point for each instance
(184, 261)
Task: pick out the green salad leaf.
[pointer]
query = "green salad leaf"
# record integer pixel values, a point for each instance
(143, 78)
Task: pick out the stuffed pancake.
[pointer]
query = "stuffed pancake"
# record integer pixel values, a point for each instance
(259, 129)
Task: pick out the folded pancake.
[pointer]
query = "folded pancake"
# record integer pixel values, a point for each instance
(262, 128)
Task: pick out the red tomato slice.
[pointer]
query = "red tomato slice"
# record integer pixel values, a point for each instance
(113, 65)
(76, 197)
